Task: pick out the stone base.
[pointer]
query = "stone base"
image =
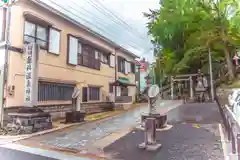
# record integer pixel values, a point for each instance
(75, 117)
(29, 120)
(149, 147)
(167, 127)
(161, 120)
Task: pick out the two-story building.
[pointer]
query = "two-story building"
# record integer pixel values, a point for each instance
(71, 55)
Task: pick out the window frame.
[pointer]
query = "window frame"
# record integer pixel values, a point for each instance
(103, 55)
(121, 64)
(91, 61)
(133, 67)
(46, 90)
(58, 30)
(35, 34)
(90, 90)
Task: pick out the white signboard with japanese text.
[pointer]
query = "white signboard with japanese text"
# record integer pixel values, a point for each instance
(31, 75)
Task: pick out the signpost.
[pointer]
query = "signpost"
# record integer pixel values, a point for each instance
(31, 75)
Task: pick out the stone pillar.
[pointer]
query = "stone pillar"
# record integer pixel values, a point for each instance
(31, 75)
(172, 87)
(191, 88)
(78, 105)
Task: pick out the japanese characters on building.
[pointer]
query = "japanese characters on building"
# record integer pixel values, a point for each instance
(31, 75)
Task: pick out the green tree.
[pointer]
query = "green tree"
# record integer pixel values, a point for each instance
(186, 29)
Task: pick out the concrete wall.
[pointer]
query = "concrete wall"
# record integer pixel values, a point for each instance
(54, 67)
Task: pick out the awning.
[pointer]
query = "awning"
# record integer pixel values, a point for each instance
(122, 83)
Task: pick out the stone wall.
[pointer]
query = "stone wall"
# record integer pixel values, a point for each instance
(58, 111)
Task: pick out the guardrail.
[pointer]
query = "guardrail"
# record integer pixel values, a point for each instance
(231, 126)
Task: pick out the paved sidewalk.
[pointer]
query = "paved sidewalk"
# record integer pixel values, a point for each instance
(194, 136)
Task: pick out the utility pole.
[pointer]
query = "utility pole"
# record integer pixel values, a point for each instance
(210, 72)
(115, 74)
(160, 75)
(154, 74)
(4, 72)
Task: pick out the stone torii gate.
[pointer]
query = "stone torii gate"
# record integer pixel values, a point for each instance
(183, 77)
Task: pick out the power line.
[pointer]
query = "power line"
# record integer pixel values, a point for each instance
(67, 10)
(113, 16)
(119, 25)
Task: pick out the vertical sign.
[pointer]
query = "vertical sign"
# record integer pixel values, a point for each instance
(31, 75)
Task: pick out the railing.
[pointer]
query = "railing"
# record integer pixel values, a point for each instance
(231, 125)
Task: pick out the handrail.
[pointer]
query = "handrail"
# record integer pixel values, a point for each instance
(231, 126)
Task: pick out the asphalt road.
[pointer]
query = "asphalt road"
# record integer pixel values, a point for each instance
(9, 154)
(193, 136)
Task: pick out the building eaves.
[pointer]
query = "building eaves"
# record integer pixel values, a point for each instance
(87, 29)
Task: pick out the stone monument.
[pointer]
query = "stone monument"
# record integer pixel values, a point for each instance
(161, 120)
(150, 142)
(75, 115)
(200, 88)
(29, 118)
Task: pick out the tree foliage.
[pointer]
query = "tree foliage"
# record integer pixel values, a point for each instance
(185, 30)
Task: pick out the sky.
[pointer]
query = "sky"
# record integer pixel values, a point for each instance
(121, 21)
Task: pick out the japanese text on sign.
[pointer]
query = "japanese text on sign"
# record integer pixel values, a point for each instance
(28, 74)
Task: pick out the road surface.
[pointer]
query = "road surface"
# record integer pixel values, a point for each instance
(10, 154)
(82, 137)
(194, 136)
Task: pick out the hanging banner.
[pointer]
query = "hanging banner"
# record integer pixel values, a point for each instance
(31, 75)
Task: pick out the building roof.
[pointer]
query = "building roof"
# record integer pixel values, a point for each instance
(85, 28)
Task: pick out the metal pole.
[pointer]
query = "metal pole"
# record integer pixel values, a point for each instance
(210, 72)
(154, 75)
(191, 88)
(4, 74)
(115, 76)
(172, 87)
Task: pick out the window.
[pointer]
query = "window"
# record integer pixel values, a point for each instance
(112, 61)
(54, 91)
(121, 64)
(104, 58)
(94, 93)
(133, 68)
(90, 94)
(124, 91)
(87, 57)
(84, 94)
(72, 50)
(54, 41)
(35, 33)
(111, 88)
